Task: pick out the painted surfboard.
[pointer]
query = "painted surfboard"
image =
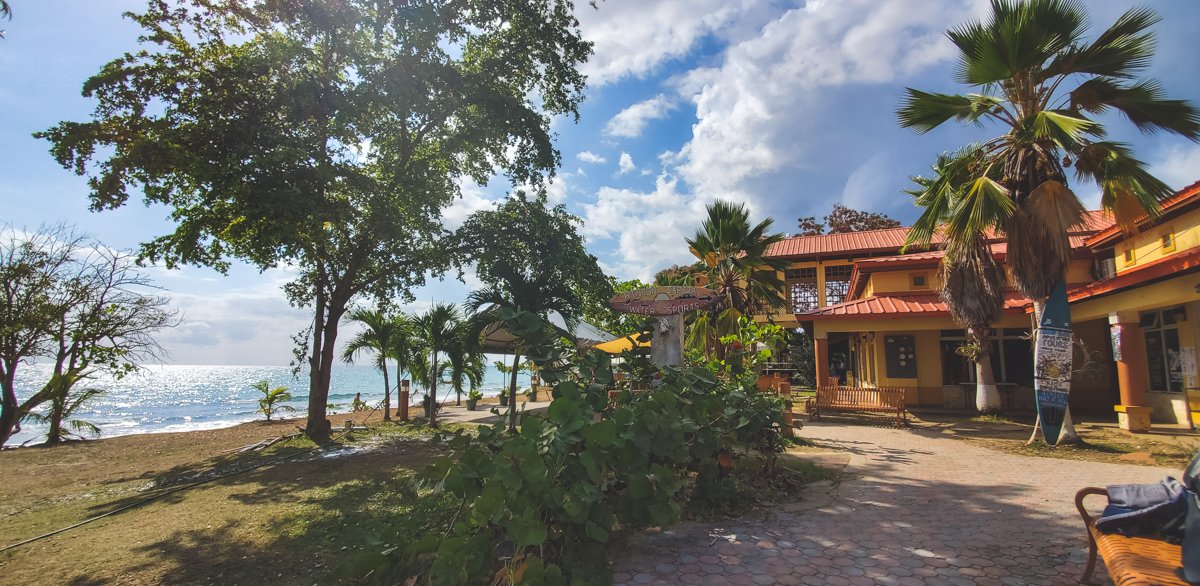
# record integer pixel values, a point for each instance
(660, 301)
(1052, 363)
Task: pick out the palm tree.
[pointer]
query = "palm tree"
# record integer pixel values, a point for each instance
(377, 335)
(271, 399)
(1021, 62)
(972, 284)
(464, 366)
(62, 410)
(734, 264)
(537, 293)
(436, 329)
(405, 350)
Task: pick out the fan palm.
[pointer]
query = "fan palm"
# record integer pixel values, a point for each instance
(972, 284)
(734, 263)
(378, 336)
(436, 329)
(529, 291)
(1037, 77)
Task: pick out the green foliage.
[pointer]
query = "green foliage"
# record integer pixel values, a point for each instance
(475, 395)
(845, 219)
(271, 402)
(551, 497)
(62, 411)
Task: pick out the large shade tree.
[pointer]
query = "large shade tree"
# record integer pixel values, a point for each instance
(732, 259)
(1034, 73)
(531, 258)
(324, 135)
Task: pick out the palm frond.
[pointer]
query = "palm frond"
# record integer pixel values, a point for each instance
(924, 111)
(1018, 36)
(1122, 50)
(1143, 103)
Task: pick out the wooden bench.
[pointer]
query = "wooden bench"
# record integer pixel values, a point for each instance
(865, 400)
(1130, 560)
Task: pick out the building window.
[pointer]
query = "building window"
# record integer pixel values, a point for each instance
(1168, 241)
(1129, 258)
(1162, 348)
(918, 281)
(837, 283)
(802, 289)
(1011, 353)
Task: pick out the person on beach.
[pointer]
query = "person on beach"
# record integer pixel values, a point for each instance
(358, 404)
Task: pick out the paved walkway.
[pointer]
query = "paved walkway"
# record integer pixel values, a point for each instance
(917, 509)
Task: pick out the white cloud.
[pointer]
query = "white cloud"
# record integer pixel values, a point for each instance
(758, 105)
(1179, 167)
(590, 157)
(632, 39)
(626, 163)
(649, 227)
(473, 199)
(631, 121)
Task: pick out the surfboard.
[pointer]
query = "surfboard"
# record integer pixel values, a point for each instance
(1052, 363)
(659, 301)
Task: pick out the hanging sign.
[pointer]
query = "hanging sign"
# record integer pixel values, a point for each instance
(1052, 363)
(659, 301)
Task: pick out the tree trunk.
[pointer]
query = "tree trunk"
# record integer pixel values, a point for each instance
(8, 405)
(512, 394)
(1068, 434)
(54, 435)
(387, 394)
(987, 395)
(317, 426)
(433, 380)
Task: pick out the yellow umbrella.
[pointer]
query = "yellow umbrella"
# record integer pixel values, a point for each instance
(620, 345)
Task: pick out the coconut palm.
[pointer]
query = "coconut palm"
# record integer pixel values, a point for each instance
(1036, 76)
(465, 365)
(734, 263)
(405, 350)
(436, 329)
(63, 411)
(377, 335)
(537, 293)
(269, 404)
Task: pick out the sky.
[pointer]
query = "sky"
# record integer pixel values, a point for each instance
(788, 107)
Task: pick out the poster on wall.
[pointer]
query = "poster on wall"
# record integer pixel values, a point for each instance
(1115, 330)
(901, 356)
(1052, 363)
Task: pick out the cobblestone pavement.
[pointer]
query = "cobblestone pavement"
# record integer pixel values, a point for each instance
(917, 508)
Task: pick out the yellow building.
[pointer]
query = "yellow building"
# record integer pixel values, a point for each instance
(877, 319)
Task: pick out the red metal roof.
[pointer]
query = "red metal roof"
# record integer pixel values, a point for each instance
(886, 240)
(1112, 230)
(899, 305)
(892, 240)
(1175, 264)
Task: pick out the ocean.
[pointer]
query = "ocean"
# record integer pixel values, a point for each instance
(163, 398)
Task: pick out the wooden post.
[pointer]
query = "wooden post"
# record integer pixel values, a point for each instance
(402, 408)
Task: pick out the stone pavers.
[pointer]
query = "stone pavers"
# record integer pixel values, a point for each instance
(918, 508)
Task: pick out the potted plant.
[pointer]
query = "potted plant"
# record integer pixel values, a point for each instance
(504, 397)
(531, 394)
(473, 399)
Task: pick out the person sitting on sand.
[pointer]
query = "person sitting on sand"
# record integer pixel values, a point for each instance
(358, 404)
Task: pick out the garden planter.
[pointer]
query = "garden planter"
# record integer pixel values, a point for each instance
(471, 403)
(503, 399)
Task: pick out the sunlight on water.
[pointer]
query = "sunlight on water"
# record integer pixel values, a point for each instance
(164, 398)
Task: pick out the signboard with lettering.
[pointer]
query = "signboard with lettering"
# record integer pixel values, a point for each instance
(1052, 364)
(659, 301)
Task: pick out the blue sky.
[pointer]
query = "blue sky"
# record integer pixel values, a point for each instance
(786, 106)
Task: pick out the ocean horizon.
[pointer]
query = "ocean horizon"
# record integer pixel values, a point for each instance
(178, 397)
